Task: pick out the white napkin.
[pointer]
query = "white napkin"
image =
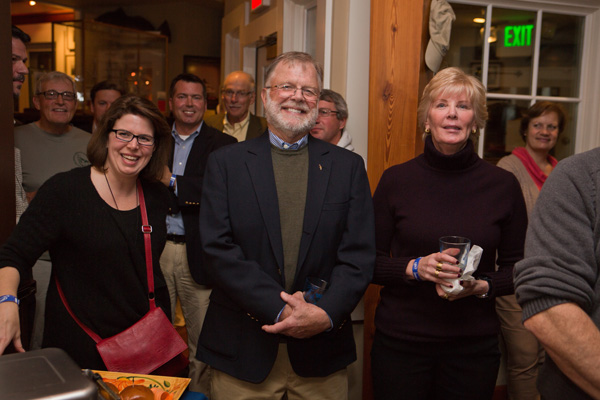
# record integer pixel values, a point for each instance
(472, 264)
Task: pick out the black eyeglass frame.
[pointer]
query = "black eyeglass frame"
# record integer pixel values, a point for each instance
(68, 96)
(137, 137)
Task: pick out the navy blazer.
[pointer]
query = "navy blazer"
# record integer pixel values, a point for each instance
(189, 190)
(242, 245)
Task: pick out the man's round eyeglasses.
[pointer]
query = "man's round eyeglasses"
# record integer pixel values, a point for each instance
(325, 112)
(230, 93)
(53, 94)
(126, 136)
(288, 91)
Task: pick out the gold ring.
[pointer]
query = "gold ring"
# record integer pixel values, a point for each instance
(439, 266)
(446, 296)
(437, 272)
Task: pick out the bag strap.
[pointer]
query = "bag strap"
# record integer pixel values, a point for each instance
(146, 230)
(87, 330)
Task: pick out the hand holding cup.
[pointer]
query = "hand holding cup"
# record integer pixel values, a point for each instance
(457, 242)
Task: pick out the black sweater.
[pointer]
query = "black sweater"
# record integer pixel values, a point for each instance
(92, 258)
(436, 195)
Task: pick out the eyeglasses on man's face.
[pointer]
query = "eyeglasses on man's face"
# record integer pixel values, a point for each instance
(239, 94)
(126, 136)
(326, 112)
(53, 95)
(287, 90)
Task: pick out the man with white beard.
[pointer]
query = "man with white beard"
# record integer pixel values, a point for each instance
(275, 211)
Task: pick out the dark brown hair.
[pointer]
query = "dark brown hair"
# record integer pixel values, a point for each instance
(131, 104)
(538, 109)
(105, 85)
(186, 77)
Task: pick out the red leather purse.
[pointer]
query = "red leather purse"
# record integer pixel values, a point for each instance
(151, 345)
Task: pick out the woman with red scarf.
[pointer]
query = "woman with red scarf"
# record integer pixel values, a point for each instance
(541, 125)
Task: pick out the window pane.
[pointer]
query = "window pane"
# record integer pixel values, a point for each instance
(565, 146)
(560, 55)
(502, 133)
(502, 129)
(466, 41)
(512, 41)
(310, 38)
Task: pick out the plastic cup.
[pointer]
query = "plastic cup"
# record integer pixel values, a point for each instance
(457, 242)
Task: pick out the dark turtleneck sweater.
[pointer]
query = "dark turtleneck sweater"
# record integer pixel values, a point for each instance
(435, 195)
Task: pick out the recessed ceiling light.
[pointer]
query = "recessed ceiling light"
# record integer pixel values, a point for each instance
(32, 3)
(479, 20)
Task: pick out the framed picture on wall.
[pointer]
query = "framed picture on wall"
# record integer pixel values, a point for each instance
(209, 70)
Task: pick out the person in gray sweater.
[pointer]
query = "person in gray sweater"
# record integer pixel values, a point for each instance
(558, 282)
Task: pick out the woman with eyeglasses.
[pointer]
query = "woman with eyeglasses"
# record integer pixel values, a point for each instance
(89, 219)
(540, 127)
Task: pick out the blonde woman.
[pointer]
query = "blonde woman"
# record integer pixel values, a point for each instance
(429, 344)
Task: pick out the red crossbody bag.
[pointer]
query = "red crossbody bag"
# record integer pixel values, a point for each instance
(151, 345)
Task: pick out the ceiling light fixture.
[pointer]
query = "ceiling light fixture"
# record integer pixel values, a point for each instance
(479, 20)
(32, 3)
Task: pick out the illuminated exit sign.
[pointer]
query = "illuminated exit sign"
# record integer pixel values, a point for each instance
(257, 5)
(517, 35)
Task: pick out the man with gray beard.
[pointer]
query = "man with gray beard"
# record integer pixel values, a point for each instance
(275, 211)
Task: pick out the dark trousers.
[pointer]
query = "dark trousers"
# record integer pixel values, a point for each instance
(457, 369)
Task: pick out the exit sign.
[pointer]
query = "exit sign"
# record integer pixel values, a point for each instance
(257, 5)
(517, 35)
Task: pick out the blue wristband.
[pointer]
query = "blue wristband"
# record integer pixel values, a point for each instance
(8, 297)
(172, 181)
(415, 269)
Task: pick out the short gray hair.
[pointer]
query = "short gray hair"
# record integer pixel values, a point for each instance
(337, 100)
(292, 57)
(54, 76)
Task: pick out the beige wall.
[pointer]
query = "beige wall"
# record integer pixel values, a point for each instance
(339, 46)
(258, 26)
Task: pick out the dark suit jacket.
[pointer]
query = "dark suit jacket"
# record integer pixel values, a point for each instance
(189, 189)
(241, 240)
(256, 125)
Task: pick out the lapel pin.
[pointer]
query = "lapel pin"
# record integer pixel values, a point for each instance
(320, 168)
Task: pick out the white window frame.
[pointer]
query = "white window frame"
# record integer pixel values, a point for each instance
(294, 23)
(586, 135)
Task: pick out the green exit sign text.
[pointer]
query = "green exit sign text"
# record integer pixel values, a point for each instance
(517, 35)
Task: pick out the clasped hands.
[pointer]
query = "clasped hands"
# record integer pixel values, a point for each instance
(299, 319)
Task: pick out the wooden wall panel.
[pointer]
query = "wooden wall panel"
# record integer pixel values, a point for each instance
(399, 34)
(395, 67)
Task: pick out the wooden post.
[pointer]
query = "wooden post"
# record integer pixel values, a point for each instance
(399, 34)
